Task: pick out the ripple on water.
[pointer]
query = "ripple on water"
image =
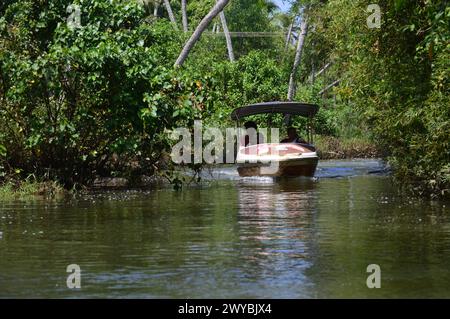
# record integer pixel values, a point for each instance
(232, 238)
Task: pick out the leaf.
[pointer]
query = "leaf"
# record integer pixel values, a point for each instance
(2, 150)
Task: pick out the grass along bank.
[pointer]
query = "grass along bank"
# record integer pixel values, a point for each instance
(30, 189)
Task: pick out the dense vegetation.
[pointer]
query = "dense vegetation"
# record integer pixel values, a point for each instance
(98, 100)
(396, 79)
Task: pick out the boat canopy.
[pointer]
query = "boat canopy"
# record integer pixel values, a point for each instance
(291, 108)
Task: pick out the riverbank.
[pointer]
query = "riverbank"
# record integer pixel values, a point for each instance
(329, 147)
(30, 189)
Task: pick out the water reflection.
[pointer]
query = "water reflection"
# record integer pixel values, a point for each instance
(367, 220)
(232, 238)
(275, 227)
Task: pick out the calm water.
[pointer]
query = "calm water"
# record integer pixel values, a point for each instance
(232, 238)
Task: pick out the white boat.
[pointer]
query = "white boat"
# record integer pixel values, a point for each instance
(278, 159)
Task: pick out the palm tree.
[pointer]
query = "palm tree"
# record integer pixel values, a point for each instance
(284, 21)
(170, 13)
(216, 9)
(288, 36)
(270, 6)
(227, 36)
(298, 56)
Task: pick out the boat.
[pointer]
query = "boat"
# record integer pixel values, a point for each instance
(278, 159)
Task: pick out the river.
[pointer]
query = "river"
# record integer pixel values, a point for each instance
(231, 237)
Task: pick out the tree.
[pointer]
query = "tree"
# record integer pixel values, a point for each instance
(252, 16)
(67, 111)
(155, 8)
(170, 13)
(270, 6)
(184, 15)
(288, 36)
(227, 36)
(216, 9)
(298, 56)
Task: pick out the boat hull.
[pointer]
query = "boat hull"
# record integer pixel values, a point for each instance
(286, 168)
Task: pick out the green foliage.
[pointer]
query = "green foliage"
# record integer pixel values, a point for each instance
(75, 99)
(251, 16)
(253, 78)
(396, 77)
(78, 102)
(242, 16)
(2, 151)
(29, 188)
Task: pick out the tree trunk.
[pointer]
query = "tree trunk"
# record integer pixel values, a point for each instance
(298, 56)
(218, 7)
(184, 15)
(227, 36)
(288, 37)
(323, 69)
(170, 12)
(329, 86)
(155, 9)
